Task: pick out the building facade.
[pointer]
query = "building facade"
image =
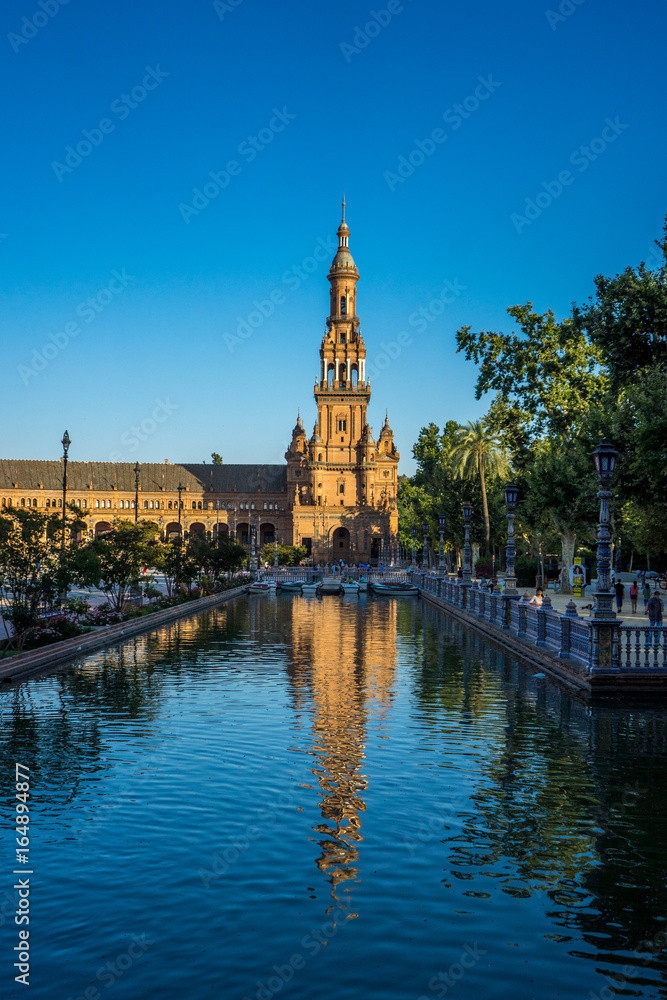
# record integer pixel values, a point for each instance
(336, 494)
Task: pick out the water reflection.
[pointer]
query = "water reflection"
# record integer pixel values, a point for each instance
(341, 660)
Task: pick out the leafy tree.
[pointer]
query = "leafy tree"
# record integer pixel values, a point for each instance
(626, 319)
(215, 458)
(546, 377)
(32, 568)
(118, 558)
(478, 453)
(288, 555)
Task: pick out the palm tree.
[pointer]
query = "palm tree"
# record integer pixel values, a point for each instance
(478, 452)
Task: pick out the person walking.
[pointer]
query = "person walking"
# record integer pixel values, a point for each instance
(646, 593)
(655, 608)
(619, 590)
(634, 594)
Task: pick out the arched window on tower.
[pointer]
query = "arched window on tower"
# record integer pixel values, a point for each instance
(343, 305)
(330, 376)
(354, 376)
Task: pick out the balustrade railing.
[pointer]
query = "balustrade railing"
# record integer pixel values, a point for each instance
(570, 637)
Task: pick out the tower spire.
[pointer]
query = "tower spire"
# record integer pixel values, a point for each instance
(343, 206)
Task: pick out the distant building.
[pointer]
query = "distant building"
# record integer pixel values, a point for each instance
(336, 495)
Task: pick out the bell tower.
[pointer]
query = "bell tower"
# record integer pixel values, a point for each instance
(342, 393)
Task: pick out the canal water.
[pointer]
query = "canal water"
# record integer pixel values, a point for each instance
(332, 798)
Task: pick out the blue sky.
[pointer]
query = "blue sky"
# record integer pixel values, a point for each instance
(288, 104)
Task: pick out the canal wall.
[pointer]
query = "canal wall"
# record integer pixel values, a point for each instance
(598, 657)
(22, 664)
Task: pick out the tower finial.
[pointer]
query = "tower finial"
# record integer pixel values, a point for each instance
(343, 206)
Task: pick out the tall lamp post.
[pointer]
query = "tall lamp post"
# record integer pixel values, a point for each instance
(137, 473)
(605, 463)
(65, 443)
(253, 532)
(275, 552)
(180, 489)
(467, 553)
(425, 554)
(442, 523)
(511, 498)
(414, 546)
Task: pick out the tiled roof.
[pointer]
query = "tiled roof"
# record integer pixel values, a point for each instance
(120, 475)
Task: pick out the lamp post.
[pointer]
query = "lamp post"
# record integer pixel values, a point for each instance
(605, 464)
(253, 531)
(217, 522)
(442, 523)
(65, 443)
(425, 553)
(414, 546)
(511, 498)
(467, 553)
(275, 552)
(137, 472)
(180, 489)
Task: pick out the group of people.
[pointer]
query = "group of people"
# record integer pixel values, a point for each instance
(653, 602)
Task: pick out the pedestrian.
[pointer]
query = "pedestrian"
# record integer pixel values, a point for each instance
(459, 573)
(646, 593)
(537, 600)
(634, 594)
(655, 608)
(619, 590)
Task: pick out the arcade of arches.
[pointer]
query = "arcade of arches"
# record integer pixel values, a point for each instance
(335, 495)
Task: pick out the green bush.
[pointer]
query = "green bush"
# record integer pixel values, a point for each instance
(526, 570)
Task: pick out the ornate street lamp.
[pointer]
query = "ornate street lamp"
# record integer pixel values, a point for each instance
(442, 524)
(605, 463)
(65, 443)
(180, 489)
(253, 532)
(467, 553)
(511, 498)
(137, 472)
(425, 554)
(414, 546)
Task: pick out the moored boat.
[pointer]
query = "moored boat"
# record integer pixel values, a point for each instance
(396, 589)
(291, 586)
(351, 587)
(260, 588)
(331, 586)
(310, 589)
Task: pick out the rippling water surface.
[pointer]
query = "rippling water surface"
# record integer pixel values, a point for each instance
(329, 799)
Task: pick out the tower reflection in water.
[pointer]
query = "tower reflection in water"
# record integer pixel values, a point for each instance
(344, 661)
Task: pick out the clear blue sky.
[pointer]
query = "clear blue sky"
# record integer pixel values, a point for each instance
(359, 102)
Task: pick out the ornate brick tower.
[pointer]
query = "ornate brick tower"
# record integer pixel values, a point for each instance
(341, 472)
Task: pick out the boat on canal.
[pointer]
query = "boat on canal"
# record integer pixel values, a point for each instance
(290, 586)
(261, 588)
(350, 587)
(311, 589)
(394, 589)
(331, 586)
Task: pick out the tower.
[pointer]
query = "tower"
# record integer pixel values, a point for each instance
(341, 471)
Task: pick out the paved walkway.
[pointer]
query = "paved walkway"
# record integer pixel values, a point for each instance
(559, 602)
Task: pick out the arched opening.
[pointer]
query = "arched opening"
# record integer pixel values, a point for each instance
(343, 305)
(330, 376)
(341, 545)
(342, 374)
(221, 531)
(375, 551)
(354, 376)
(267, 534)
(101, 528)
(197, 528)
(171, 531)
(243, 533)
